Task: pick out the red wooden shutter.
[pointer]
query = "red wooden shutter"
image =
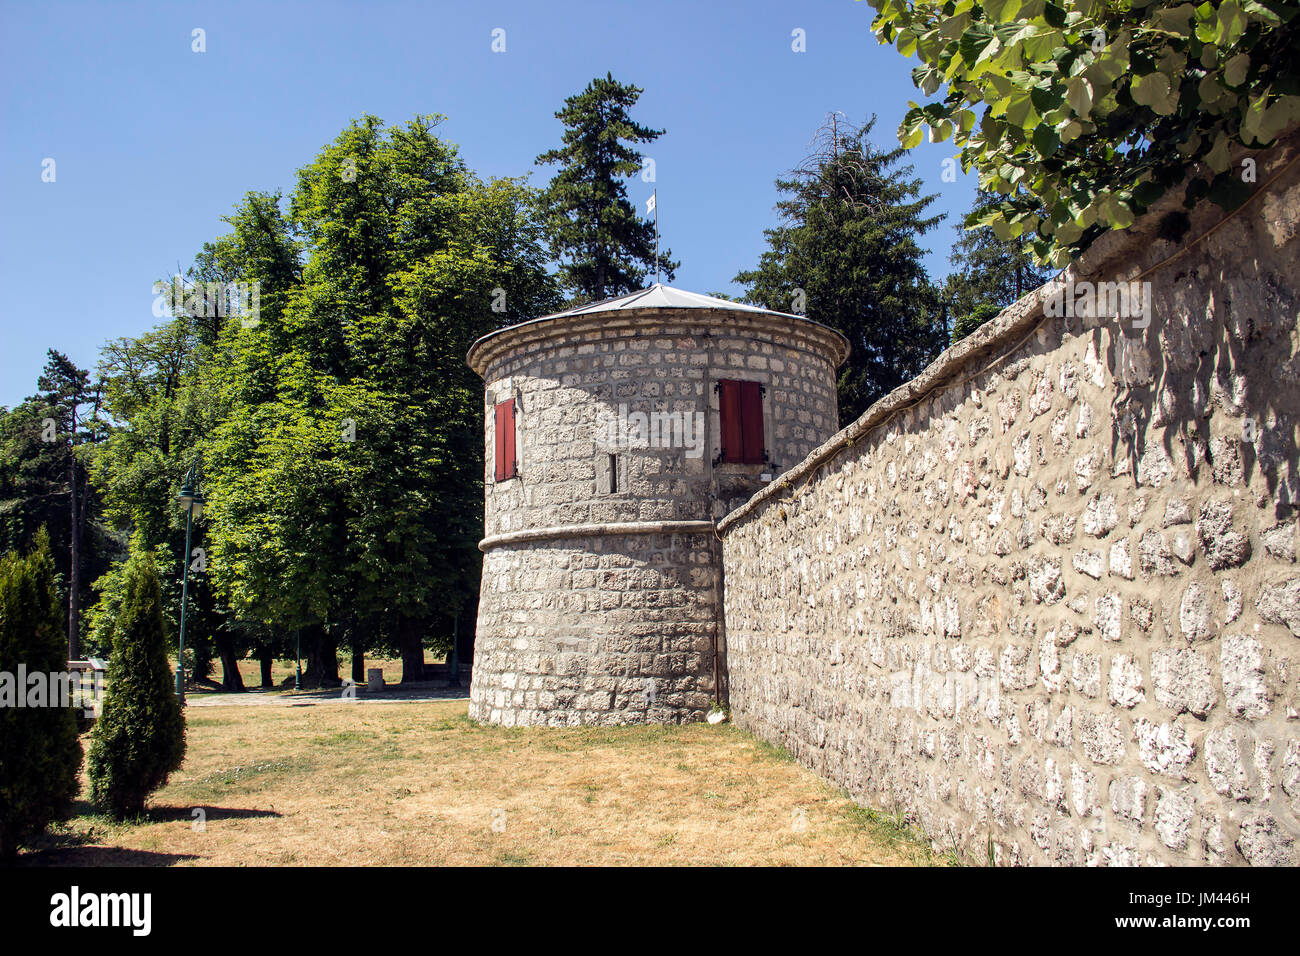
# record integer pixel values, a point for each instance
(733, 446)
(751, 423)
(505, 440)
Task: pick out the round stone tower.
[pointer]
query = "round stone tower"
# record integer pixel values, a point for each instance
(616, 435)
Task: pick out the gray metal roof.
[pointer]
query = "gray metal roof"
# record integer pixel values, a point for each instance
(660, 296)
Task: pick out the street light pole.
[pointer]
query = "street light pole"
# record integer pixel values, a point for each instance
(453, 659)
(297, 677)
(192, 501)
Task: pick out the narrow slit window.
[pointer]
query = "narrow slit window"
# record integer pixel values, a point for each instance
(613, 474)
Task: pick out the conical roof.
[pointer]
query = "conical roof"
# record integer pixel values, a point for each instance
(628, 311)
(660, 296)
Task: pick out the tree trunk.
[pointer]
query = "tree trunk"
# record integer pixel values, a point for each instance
(232, 682)
(322, 657)
(410, 639)
(265, 658)
(358, 665)
(74, 570)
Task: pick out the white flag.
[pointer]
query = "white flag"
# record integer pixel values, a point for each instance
(650, 203)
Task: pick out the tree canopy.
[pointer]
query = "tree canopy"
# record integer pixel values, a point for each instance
(1080, 114)
(989, 274)
(603, 245)
(344, 479)
(848, 253)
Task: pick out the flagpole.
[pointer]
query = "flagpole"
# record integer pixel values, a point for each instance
(654, 201)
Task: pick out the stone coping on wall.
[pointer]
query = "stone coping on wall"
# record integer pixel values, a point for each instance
(1141, 247)
(818, 339)
(602, 529)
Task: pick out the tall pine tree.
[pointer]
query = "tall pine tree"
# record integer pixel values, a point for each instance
(604, 247)
(848, 254)
(990, 273)
(75, 403)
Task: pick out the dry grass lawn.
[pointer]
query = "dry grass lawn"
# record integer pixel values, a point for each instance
(419, 783)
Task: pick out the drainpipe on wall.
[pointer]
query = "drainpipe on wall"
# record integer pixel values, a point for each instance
(719, 617)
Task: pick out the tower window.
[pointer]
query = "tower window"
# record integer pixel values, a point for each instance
(740, 406)
(507, 466)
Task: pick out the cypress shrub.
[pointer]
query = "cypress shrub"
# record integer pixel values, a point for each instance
(140, 737)
(40, 753)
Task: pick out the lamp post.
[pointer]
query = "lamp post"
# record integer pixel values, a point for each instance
(192, 500)
(297, 675)
(453, 659)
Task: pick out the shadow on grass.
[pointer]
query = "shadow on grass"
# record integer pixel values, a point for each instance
(73, 855)
(66, 846)
(167, 814)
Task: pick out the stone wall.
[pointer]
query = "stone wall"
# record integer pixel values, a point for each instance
(1044, 598)
(605, 629)
(570, 377)
(600, 598)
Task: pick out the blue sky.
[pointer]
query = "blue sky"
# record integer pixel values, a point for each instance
(153, 142)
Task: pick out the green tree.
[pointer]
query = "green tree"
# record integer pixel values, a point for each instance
(848, 254)
(40, 754)
(967, 322)
(603, 246)
(70, 424)
(160, 413)
(990, 274)
(140, 737)
(35, 497)
(1082, 113)
(345, 482)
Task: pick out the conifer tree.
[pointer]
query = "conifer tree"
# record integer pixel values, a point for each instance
(990, 274)
(604, 247)
(39, 750)
(140, 737)
(847, 255)
(75, 401)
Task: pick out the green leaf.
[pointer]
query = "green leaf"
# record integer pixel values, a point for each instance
(1281, 114)
(973, 43)
(1253, 118)
(1078, 93)
(1232, 23)
(1228, 191)
(1210, 90)
(1046, 99)
(1234, 71)
(1046, 140)
(1146, 194)
(1153, 90)
(1117, 214)
(1218, 157)
(1021, 112)
(1001, 11)
(1068, 232)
